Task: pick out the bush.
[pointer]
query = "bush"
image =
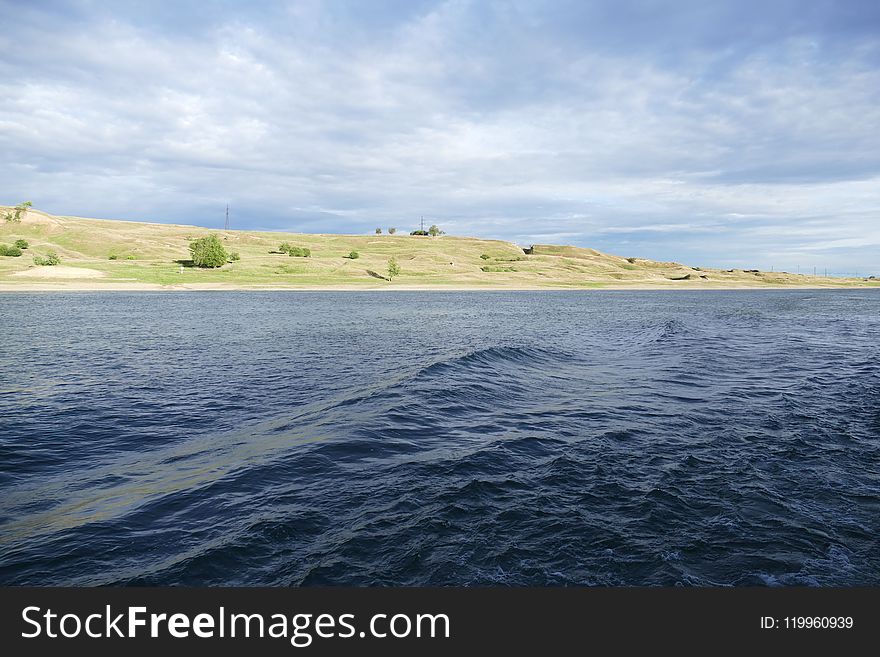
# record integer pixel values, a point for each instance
(354, 255)
(391, 231)
(114, 257)
(130, 257)
(434, 231)
(299, 252)
(208, 252)
(284, 248)
(11, 251)
(234, 256)
(419, 232)
(21, 244)
(631, 261)
(393, 268)
(484, 257)
(50, 260)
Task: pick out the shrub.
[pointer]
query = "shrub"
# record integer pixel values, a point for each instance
(50, 260)
(234, 256)
(391, 231)
(354, 255)
(284, 248)
(208, 252)
(114, 257)
(484, 257)
(11, 251)
(299, 252)
(130, 257)
(393, 268)
(21, 244)
(434, 231)
(419, 232)
(631, 261)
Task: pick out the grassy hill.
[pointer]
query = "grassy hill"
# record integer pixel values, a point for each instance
(150, 256)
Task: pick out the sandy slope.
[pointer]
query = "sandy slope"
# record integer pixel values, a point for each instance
(59, 271)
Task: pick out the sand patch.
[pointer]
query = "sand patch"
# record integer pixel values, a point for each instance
(60, 271)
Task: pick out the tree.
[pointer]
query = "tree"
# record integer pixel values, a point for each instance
(434, 231)
(208, 252)
(21, 244)
(14, 215)
(419, 232)
(299, 252)
(285, 247)
(393, 268)
(391, 231)
(378, 231)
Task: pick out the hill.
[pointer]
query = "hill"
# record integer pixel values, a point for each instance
(156, 256)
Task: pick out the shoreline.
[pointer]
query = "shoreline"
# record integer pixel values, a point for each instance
(91, 286)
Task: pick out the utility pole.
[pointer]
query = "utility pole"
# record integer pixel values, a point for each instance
(226, 225)
(423, 223)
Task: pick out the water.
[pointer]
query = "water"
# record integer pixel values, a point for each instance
(551, 438)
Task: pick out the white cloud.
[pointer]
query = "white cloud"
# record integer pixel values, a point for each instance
(500, 125)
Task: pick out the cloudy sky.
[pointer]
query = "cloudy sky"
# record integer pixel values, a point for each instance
(742, 133)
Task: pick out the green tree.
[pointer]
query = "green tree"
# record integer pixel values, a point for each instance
(378, 231)
(21, 244)
(392, 230)
(285, 247)
(393, 268)
(299, 252)
(208, 252)
(434, 231)
(14, 215)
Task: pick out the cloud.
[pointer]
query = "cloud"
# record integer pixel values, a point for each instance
(696, 134)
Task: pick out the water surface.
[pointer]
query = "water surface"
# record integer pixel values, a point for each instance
(514, 438)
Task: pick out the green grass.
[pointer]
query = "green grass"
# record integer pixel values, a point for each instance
(424, 261)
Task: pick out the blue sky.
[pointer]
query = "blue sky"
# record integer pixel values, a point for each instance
(718, 133)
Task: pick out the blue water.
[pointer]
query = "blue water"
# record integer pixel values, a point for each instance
(549, 438)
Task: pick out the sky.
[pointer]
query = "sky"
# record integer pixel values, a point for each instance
(730, 134)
